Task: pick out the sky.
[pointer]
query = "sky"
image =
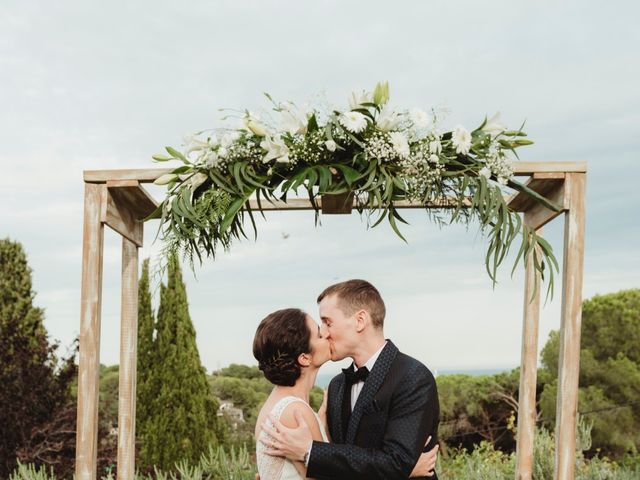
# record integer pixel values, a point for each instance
(95, 85)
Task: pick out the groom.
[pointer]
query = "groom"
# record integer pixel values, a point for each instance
(380, 411)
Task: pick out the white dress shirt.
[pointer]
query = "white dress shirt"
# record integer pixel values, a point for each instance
(356, 388)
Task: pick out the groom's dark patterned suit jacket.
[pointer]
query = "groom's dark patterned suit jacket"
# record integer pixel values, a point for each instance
(395, 413)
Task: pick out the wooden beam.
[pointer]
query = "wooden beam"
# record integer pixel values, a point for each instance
(569, 362)
(528, 370)
(545, 186)
(133, 196)
(148, 175)
(128, 360)
(89, 358)
(116, 214)
(538, 215)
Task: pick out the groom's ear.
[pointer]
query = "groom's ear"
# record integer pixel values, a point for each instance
(362, 320)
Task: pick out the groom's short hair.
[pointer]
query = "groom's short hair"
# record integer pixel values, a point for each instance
(354, 295)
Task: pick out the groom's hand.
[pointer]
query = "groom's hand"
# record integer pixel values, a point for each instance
(426, 463)
(292, 443)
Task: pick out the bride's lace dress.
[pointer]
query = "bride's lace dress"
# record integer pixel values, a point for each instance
(277, 468)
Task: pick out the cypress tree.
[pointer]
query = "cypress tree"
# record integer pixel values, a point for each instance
(182, 420)
(34, 384)
(145, 391)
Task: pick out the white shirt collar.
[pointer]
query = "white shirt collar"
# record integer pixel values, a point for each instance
(372, 359)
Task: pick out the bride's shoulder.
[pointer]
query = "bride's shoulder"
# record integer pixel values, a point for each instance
(288, 417)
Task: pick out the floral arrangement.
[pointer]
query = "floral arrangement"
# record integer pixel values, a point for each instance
(380, 154)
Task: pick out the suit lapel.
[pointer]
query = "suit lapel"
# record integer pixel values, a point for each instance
(371, 386)
(335, 411)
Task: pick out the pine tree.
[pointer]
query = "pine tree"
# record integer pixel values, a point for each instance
(34, 384)
(182, 420)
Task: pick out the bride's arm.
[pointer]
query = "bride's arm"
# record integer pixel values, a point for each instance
(288, 419)
(322, 413)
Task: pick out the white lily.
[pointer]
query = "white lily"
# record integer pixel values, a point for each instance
(388, 119)
(194, 144)
(276, 149)
(294, 120)
(166, 178)
(493, 127)
(358, 98)
(254, 125)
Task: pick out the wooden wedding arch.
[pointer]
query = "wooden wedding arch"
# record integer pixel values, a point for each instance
(116, 198)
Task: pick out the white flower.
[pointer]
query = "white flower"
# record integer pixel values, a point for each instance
(228, 138)
(358, 98)
(461, 140)
(166, 178)
(293, 120)
(435, 147)
(355, 122)
(253, 124)
(503, 180)
(387, 119)
(223, 152)
(433, 158)
(276, 149)
(196, 180)
(194, 144)
(419, 118)
(211, 159)
(485, 172)
(400, 144)
(492, 127)
(331, 145)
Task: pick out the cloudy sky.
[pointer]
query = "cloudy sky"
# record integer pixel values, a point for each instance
(95, 85)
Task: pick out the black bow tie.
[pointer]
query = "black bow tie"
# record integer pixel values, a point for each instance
(352, 377)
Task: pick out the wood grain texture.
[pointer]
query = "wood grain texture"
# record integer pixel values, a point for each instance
(148, 175)
(89, 355)
(569, 361)
(528, 371)
(128, 362)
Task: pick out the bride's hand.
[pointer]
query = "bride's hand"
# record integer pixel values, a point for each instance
(426, 463)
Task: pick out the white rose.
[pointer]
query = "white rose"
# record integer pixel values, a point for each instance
(331, 145)
(223, 152)
(355, 122)
(387, 119)
(461, 140)
(400, 144)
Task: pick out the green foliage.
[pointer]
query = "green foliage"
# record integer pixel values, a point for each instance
(609, 371)
(478, 408)
(182, 421)
(146, 392)
(34, 381)
(382, 164)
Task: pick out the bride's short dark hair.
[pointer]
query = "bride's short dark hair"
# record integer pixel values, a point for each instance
(280, 338)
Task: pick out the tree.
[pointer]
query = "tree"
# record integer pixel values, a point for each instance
(182, 420)
(609, 371)
(145, 390)
(35, 383)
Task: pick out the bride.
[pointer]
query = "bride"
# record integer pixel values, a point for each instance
(290, 350)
